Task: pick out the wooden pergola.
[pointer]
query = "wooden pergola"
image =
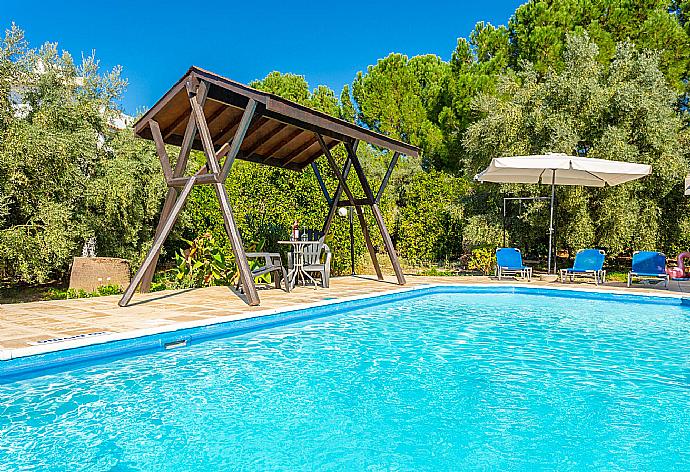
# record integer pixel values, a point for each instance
(228, 120)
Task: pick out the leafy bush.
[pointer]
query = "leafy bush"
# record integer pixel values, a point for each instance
(479, 232)
(482, 259)
(102, 291)
(65, 174)
(428, 227)
(203, 264)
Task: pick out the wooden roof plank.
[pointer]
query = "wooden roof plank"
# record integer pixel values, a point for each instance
(283, 142)
(277, 115)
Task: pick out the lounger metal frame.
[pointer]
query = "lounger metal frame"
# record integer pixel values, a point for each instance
(631, 275)
(525, 272)
(598, 275)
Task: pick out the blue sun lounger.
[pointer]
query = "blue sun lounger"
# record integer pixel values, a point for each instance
(509, 262)
(588, 263)
(648, 265)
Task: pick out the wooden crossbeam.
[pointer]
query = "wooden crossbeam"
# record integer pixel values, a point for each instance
(300, 149)
(171, 129)
(210, 120)
(255, 127)
(357, 202)
(277, 128)
(225, 134)
(257, 119)
(283, 142)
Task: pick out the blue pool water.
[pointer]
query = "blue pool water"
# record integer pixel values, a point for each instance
(440, 382)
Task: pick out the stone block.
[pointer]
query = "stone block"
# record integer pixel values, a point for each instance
(89, 273)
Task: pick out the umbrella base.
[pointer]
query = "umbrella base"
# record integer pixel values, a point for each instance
(548, 278)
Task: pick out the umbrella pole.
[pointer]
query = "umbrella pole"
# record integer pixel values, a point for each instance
(553, 197)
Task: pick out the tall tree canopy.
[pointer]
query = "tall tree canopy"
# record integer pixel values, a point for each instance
(600, 78)
(538, 31)
(621, 112)
(66, 174)
(402, 98)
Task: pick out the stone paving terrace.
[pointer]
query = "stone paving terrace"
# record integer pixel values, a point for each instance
(23, 325)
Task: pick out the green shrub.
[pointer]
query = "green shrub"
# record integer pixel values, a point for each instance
(65, 294)
(482, 259)
(203, 264)
(480, 232)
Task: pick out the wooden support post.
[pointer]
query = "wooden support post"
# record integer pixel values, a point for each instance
(358, 209)
(147, 278)
(160, 149)
(158, 242)
(219, 178)
(204, 133)
(387, 241)
(237, 246)
(367, 240)
(180, 167)
(190, 133)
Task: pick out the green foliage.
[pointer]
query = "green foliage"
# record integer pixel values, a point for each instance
(202, 264)
(622, 112)
(102, 291)
(482, 259)
(400, 97)
(429, 216)
(475, 66)
(598, 78)
(479, 232)
(539, 30)
(65, 173)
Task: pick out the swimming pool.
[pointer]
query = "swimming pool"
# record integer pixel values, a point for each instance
(445, 380)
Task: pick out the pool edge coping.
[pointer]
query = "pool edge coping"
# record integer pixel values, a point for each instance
(22, 352)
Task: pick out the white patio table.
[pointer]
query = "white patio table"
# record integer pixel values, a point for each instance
(297, 270)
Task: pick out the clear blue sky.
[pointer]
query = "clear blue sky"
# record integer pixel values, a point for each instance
(327, 42)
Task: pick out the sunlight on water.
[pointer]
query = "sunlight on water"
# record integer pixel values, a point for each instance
(443, 382)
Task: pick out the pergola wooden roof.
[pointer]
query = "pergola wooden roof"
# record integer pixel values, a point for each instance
(228, 120)
(282, 135)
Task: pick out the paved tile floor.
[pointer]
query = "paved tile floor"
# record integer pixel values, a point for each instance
(22, 325)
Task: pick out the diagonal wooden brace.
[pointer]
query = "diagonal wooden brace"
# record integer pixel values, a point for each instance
(180, 167)
(158, 242)
(387, 241)
(204, 133)
(160, 149)
(237, 139)
(319, 179)
(237, 246)
(360, 214)
(386, 178)
(190, 133)
(336, 198)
